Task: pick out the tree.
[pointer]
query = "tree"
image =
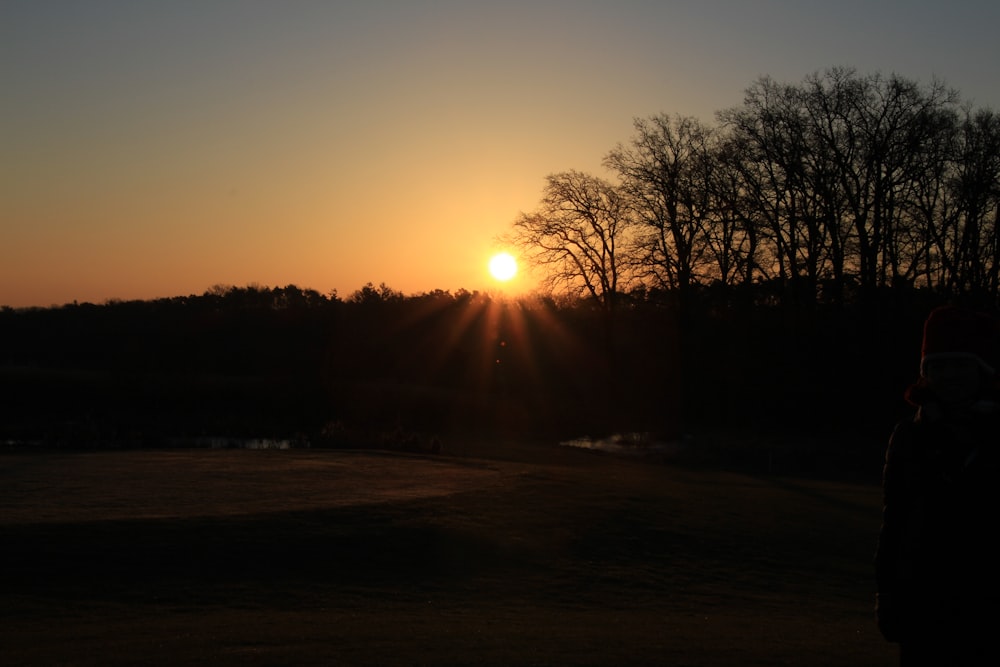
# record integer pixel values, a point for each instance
(844, 172)
(826, 191)
(975, 188)
(733, 238)
(666, 170)
(369, 294)
(769, 153)
(576, 238)
(884, 126)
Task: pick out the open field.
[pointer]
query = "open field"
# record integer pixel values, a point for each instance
(527, 555)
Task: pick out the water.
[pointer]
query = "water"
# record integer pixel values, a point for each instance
(221, 442)
(625, 443)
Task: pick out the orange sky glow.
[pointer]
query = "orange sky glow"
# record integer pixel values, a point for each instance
(156, 150)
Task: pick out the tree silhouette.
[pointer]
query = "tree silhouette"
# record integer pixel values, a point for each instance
(666, 172)
(369, 294)
(576, 237)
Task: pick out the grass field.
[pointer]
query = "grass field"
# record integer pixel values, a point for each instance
(506, 555)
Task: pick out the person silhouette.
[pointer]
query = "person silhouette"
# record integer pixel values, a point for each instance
(936, 566)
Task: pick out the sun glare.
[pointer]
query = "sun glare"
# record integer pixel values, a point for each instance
(503, 266)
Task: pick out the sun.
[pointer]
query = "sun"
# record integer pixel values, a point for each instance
(503, 266)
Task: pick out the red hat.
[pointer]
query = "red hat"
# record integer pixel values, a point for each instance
(951, 331)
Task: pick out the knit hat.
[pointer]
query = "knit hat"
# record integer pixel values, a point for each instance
(954, 332)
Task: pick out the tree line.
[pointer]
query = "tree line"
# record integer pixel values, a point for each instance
(380, 368)
(374, 367)
(827, 191)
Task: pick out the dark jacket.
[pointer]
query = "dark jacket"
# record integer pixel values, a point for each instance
(937, 561)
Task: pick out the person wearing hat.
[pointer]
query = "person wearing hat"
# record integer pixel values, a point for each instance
(936, 564)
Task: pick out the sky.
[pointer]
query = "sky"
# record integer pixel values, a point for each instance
(158, 148)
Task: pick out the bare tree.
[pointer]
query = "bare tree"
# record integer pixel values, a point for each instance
(734, 237)
(667, 170)
(975, 188)
(767, 152)
(829, 190)
(883, 128)
(844, 171)
(576, 237)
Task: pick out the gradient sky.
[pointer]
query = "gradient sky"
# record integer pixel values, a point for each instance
(152, 149)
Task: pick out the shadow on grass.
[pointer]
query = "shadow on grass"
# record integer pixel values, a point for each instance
(295, 551)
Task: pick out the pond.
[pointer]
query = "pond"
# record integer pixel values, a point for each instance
(223, 442)
(636, 443)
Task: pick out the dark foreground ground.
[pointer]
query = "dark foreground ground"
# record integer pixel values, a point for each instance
(505, 555)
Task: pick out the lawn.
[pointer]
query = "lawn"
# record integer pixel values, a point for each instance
(502, 555)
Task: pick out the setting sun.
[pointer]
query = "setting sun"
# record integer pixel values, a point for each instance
(503, 266)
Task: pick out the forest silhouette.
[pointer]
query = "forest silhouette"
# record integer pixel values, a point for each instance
(766, 275)
(381, 369)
